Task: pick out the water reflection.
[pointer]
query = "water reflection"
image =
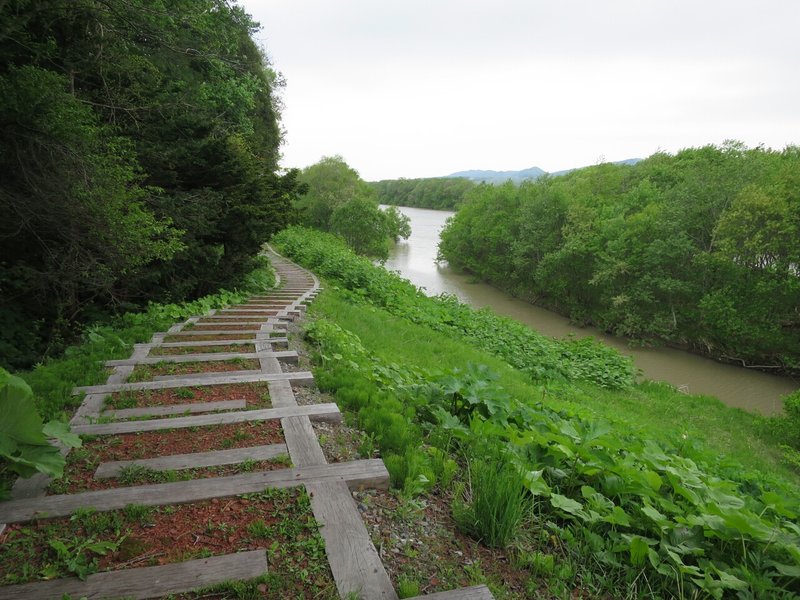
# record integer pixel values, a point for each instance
(415, 259)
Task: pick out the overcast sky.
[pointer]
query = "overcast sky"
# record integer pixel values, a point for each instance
(420, 88)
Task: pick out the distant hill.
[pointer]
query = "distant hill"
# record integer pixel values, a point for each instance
(500, 176)
(497, 177)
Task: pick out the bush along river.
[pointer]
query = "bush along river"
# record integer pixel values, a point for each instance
(415, 260)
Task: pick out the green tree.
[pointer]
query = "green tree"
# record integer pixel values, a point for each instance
(699, 249)
(336, 199)
(139, 146)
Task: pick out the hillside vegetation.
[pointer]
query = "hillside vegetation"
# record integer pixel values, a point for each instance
(139, 147)
(465, 405)
(699, 249)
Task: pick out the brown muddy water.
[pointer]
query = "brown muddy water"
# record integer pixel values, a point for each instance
(415, 260)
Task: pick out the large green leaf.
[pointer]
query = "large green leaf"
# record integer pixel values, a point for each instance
(20, 420)
(45, 459)
(566, 504)
(61, 432)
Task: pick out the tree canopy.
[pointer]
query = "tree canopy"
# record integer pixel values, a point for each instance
(336, 199)
(139, 149)
(700, 248)
(441, 193)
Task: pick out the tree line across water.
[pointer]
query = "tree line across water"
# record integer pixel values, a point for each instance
(700, 248)
(440, 193)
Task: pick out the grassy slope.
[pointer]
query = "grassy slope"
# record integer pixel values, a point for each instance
(649, 409)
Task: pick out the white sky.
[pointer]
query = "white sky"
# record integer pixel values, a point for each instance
(421, 88)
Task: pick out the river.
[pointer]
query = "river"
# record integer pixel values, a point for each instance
(415, 259)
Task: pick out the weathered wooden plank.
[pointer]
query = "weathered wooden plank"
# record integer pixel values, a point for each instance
(302, 442)
(221, 318)
(196, 459)
(211, 332)
(254, 324)
(250, 310)
(357, 474)
(146, 582)
(327, 411)
(281, 394)
(283, 355)
(90, 407)
(269, 365)
(175, 409)
(476, 592)
(260, 337)
(355, 564)
(300, 378)
(202, 376)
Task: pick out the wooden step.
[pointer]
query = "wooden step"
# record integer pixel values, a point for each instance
(357, 474)
(284, 356)
(300, 378)
(476, 592)
(194, 460)
(174, 409)
(146, 582)
(327, 412)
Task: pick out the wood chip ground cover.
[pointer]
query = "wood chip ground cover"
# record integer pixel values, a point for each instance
(255, 394)
(279, 521)
(148, 372)
(167, 442)
(169, 351)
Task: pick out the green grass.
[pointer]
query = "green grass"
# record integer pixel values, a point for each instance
(648, 409)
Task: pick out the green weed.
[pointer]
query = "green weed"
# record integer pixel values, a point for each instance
(494, 505)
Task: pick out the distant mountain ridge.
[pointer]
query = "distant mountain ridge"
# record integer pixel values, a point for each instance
(532, 173)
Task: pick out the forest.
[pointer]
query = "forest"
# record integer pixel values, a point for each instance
(441, 193)
(139, 153)
(698, 249)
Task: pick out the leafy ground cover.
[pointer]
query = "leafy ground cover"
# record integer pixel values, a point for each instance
(516, 344)
(637, 509)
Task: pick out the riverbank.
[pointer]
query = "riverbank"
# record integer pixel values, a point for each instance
(612, 473)
(415, 260)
